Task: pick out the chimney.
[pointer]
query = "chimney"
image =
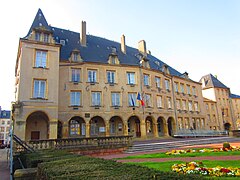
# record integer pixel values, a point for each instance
(142, 47)
(83, 39)
(149, 52)
(123, 44)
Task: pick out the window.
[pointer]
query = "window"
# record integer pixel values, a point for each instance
(131, 78)
(75, 57)
(39, 88)
(111, 77)
(158, 82)
(194, 91)
(207, 107)
(74, 127)
(46, 38)
(2, 129)
(167, 84)
(132, 99)
(148, 100)
(37, 36)
(92, 76)
(159, 101)
(3, 122)
(96, 99)
(146, 79)
(8, 122)
(178, 104)
(190, 105)
(41, 59)
(182, 88)
(115, 99)
(75, 98)
(196, 106)
(75, 75)
(188, 89)
(176, 86)
(184, 105)
(169, 103)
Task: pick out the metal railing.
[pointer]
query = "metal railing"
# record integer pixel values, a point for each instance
(200, 133)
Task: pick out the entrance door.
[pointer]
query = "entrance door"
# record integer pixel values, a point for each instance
(35, 135)
(138, 131)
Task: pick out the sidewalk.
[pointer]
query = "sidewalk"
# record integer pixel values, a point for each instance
(4, 165)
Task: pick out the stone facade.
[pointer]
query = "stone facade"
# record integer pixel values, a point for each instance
(75, 85)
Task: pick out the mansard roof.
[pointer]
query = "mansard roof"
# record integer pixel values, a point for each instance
(39, 22)
(210, 81)
(234, 96)
(97, 49)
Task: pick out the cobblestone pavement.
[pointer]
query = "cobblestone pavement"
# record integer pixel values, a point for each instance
(4, 165)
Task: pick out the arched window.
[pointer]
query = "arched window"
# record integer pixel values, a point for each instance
(74, 127)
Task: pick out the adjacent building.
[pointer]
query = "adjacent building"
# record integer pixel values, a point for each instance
(235, 99)
(5, 123)
(216, 91)
(70, 84)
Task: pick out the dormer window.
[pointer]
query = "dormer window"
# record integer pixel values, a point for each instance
(113, 59)
(144, 63)
(75, 56)
(37, 36)
(62, 42)
(45, 38)
(165, 69)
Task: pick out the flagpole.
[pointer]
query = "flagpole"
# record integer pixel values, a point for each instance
(141, 85)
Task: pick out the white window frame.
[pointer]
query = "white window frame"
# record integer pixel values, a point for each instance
(134, 97)
(182, 88)
(169, 103)
(159, 102)
(76, 75)
(167, 84)
(39, 88)
(158, 82)
(96, 98)
(75, 98)
(188, 89)
(92, 76)
(146, 79)
(176, 86)
(111, 77)
(41, 59)
(115, 98)
(148, 100)
(190, 106)
(45, 38)
(131, 77)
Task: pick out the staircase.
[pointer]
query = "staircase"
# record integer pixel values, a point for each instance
(22, 144)
(176, 144)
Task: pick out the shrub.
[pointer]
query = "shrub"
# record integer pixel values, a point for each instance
(226, 145)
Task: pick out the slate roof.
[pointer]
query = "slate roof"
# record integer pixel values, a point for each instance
(98, 49)
(5, 114)
(234, 96)
(211, 81)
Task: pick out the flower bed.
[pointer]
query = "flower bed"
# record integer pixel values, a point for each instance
(176, 152)
(199, 168)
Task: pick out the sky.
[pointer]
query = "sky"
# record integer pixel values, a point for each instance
(196, 36)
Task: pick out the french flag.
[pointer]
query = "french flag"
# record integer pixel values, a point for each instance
(139, 97)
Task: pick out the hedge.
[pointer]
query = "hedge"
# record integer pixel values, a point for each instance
(64, 165)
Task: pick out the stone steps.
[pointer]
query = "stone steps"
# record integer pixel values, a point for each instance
(146, 147)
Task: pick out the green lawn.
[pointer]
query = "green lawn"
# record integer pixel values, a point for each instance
(195, 154)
